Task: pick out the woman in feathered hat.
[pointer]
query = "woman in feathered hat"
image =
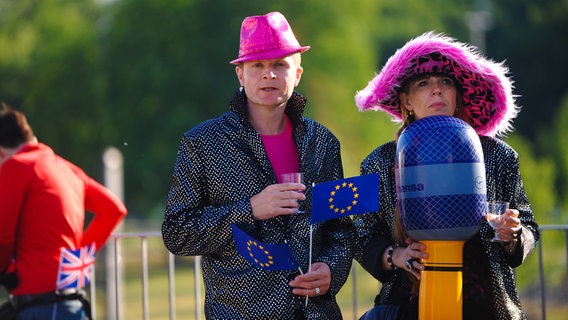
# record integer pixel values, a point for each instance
(436, 75)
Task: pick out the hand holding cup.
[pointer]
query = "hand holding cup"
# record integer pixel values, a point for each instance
(495, 211)
(295, 177)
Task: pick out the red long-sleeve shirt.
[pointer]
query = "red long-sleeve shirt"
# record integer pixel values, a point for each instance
(43, 199)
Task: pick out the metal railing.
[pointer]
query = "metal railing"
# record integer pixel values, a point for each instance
(115, 241)
(143, 237)
(541, 262)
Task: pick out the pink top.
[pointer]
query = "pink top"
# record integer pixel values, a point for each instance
(282, 151)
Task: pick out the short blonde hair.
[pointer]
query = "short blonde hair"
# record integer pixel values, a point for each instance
(297, 57)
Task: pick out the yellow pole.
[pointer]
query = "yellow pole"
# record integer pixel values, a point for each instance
(441, 281)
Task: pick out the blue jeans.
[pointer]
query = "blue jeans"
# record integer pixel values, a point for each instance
(62, 310)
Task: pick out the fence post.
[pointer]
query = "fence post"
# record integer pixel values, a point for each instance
(172, 289)
(197, 275)
(113, 180)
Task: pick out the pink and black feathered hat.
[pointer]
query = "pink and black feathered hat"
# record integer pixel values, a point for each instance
(267, 37)
(487, 90)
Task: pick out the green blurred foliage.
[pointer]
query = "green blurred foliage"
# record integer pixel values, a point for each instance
(530, 35)
(559, 147)
(48, 67)
(136, 74)
(538, 176)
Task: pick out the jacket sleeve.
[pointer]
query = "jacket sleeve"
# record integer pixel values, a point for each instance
(515, 193)
(374, 229)
(192, 225)
(504, 183)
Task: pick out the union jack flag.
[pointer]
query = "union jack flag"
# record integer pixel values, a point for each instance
(75, 267)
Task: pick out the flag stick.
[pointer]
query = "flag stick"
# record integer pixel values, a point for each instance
(311, 232)
(311, 240)
(310, 262)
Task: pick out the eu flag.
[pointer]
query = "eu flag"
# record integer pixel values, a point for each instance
(345, 197)
(264, 255)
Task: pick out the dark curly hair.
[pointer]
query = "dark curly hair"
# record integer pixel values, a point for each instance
(14, 128)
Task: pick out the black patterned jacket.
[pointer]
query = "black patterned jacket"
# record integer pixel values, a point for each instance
(486, 264)
(220, 165)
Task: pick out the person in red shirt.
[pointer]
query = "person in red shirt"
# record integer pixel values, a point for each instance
(46, 254)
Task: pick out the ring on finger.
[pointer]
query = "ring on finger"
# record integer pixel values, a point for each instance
(408, 264)
(317, 290)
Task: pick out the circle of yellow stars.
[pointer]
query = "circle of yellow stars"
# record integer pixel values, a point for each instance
(337, 209)
(266, 264)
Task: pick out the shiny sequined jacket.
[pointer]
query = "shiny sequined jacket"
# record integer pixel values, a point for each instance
(220, 165)
(486, 264)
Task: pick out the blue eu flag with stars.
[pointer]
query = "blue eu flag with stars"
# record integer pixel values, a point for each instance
(345, 197)
(264, 255)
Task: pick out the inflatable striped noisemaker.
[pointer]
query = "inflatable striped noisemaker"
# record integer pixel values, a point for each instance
(441, 193)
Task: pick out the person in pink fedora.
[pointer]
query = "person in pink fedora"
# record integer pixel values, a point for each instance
(434, 74)
(227, 173)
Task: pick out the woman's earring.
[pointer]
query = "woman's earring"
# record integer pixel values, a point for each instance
(410, 114)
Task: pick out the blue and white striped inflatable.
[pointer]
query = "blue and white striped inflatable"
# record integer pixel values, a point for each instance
(440, 179)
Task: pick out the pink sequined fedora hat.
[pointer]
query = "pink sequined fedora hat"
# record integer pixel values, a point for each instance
(487, 90)
(267, 37)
